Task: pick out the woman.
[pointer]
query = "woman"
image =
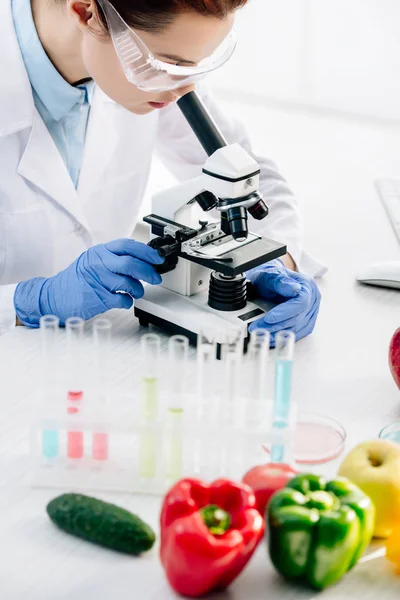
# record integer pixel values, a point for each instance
(78, 126)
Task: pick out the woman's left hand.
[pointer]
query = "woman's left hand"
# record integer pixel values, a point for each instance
(297, 297)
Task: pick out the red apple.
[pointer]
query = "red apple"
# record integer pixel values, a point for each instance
(394, 357)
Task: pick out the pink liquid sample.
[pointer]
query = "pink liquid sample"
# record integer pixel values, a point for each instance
(74, 438)
(100, 446)
(74, 396)
(316, 443)
(75, 444)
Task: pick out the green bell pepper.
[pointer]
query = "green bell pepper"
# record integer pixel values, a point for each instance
(318, 530)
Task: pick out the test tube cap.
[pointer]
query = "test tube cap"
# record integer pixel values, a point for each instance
(49, 321)
(284, 344)
(260, 336)
(150, 347)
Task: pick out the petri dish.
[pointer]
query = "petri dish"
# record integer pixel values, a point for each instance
(317, 439)
(391, 432)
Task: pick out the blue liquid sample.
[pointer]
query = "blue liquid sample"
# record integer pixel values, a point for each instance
(281, 410)
(277, 454)
(50, 443)
(278, 450)
(283, 386)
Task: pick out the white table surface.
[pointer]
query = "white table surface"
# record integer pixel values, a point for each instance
(341, 370)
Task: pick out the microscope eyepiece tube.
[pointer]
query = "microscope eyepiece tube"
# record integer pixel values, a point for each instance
(201, 123)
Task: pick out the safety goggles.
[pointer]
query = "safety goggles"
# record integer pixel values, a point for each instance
(147, 72)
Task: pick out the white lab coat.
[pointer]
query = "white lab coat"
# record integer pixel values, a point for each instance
(45, 223)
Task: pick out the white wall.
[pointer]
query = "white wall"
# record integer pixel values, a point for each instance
(270, 52)
(337, 54)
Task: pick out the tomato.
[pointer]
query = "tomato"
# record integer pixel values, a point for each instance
(267, 479)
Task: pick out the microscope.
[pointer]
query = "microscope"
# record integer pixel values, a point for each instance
(204, 285)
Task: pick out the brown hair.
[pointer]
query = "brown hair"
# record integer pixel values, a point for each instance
(155, 15)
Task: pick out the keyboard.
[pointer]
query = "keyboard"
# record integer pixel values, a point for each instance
(389, 193)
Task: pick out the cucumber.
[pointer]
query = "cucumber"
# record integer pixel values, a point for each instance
(101, 523)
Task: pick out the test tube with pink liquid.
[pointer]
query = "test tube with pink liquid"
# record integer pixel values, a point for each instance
(74, 331)
(101, 339)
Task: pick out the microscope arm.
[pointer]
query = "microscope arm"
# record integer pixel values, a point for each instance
(169, 202)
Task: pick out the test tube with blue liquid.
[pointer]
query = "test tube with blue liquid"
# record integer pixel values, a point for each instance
(178, 351)
(150, 354)
(284, 344)
(49, 330)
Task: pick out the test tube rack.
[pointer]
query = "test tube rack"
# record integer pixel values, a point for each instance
(180, 418)
(148, 457)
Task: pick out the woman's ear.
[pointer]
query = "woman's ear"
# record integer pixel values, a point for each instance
(85, 13)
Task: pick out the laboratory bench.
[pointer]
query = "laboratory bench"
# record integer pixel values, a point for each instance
(341, 370)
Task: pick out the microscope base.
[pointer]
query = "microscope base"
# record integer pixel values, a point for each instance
(188, 315)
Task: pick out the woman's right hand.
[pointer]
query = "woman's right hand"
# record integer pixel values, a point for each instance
(90, 284)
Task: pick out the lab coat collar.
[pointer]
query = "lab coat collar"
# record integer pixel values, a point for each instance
(41, 163)
(100, 143)
(55, 93)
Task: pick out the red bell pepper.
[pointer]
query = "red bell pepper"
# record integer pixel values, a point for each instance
(208, 534)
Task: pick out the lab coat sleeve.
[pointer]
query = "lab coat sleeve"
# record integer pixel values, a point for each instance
(180, 151)
(7, 309)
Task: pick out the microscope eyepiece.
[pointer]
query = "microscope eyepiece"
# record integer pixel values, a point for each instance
(237, 219)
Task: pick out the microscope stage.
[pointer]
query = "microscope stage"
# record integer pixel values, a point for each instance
(243, 256)
(188, 315)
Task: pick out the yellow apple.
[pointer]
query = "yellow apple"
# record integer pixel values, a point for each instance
(375, 467)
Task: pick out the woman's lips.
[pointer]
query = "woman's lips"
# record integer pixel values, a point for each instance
(159, 104)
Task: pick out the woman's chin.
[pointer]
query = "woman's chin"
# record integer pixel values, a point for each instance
(141, 109)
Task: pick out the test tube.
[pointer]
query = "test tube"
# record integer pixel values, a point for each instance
(178, 350)
(257, 361)
(49, 330)
(206, 372)
(284, 343)
(101, 340)
(150, 352)
(206, 360)
(74, 328)
(231, 358)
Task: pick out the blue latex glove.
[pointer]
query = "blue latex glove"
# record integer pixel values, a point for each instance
(296, 295)
(88, 286)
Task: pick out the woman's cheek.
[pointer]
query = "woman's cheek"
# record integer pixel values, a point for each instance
(102, 64)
